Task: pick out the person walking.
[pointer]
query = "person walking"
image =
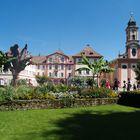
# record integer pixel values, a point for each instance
(129, 85)
(107, 84)
(124, 85)
(116, 84)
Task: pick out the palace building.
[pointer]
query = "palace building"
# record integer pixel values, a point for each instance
(58, 67)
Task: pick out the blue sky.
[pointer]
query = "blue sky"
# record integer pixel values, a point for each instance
(49, 25)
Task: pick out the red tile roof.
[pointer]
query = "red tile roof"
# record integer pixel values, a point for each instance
(89, 52)
(39, 59)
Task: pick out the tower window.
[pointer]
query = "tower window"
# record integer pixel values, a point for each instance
(124, 66)
(133, 37)
(133, 66)
(134, 52)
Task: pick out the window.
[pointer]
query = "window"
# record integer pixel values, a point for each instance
(62, 59)
(69, 67)
(43, 73)
(62, 67)
(38, 73)
(87, 72)
(133, 37)
(133, 66)
(56, 67)
(50, 59)
(91, 53)
(55, 74)
(38, 66)
(50, 74)
(134, 52)
(62, 74)
(79, 60)
(50, 67)
(80, 72)
(43, 67)
(124, 66)
(69, 74)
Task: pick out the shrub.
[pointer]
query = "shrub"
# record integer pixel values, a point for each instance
(23, 92)
(131, 98)
(21, 82)
(7, 93)
(98, 93)
(41, 79)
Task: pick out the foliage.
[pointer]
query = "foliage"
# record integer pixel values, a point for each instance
(130, 98)
(22, 91)
(77, 82)
(103, 83)
(96, 67)
(21, 82)
(90, 82)
(17, 61)
(41, 79)
(98, 93)
(7, 93)
(137, 71)
(3, 59)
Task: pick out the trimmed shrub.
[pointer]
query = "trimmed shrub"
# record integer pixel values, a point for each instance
(131, 98)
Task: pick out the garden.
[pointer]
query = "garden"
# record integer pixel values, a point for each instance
(49, 95)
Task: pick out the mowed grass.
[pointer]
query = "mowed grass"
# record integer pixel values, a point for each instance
(111, 122)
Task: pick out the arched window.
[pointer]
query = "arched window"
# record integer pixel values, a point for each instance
(133, 37)
(134, 51)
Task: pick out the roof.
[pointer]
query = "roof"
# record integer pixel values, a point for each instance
(89, 52)
(70, 60)
(132, 21)
(39, 59)
(57, 52)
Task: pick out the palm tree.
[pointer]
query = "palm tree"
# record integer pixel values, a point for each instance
(16, 61)
(96, 67)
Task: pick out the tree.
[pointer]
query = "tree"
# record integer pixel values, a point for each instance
(137, 71)
(16, 61)
(96, 67)
(3, 59)
(41, 79)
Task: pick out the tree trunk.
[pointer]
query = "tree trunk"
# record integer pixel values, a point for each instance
(97, 80)
(93, 80)
(14, 80)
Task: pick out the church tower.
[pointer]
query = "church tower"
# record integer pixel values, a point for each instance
(127, 62)
(132, 39)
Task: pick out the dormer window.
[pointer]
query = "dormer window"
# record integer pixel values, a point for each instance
(62, 59)
(91, 53)
(50, 59)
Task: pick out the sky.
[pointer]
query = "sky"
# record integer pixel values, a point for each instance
(49, 25)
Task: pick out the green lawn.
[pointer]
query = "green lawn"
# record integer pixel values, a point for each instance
(108, 122)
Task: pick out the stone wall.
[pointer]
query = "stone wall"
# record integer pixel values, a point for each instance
(44, 104)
